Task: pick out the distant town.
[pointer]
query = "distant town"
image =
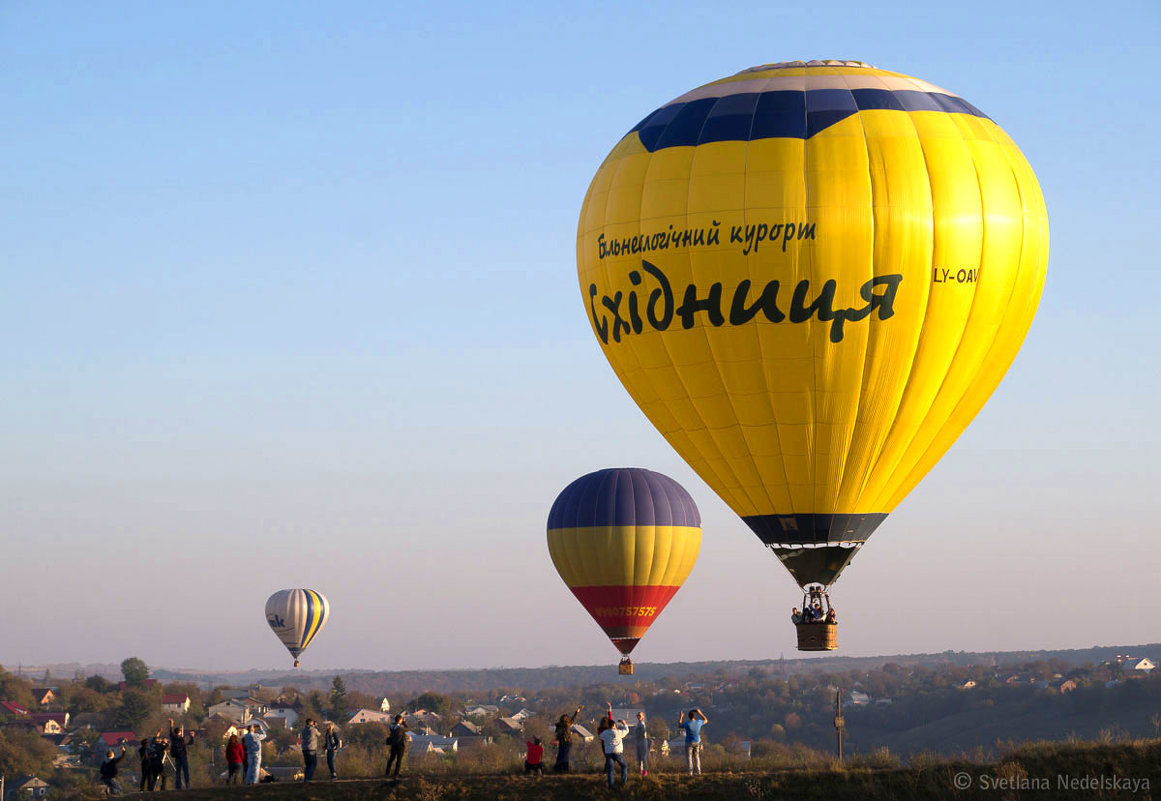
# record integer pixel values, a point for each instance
(55, 732)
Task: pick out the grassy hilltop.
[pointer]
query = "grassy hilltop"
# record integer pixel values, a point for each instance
(1034, 771)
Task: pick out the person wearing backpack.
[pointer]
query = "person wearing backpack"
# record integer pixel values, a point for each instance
(397, 742)
(331, 744)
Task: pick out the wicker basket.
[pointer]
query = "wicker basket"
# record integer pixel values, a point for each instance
(817, 636)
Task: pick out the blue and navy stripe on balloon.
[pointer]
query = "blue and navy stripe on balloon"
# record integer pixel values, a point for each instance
(748, 116)
(623, 496)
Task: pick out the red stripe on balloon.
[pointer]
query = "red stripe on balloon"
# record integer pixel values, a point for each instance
(625, 612)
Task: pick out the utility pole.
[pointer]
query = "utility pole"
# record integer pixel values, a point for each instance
(839, 723)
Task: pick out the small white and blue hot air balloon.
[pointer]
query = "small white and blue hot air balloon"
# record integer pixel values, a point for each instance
(296, 616)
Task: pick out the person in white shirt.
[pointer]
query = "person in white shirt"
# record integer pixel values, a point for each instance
(611, 736)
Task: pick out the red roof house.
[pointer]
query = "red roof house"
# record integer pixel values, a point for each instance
(116, 739)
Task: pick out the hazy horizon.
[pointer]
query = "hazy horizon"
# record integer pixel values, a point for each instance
(290, 299)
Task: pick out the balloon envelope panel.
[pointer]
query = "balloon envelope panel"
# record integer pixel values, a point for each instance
(296, 617)
(624, 540)
(810, 277)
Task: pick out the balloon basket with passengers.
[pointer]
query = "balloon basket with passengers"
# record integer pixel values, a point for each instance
(810, 276)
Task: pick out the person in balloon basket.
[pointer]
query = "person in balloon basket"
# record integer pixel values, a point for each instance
(534, 758)
(331, 744)
(692, 728)
(563, 731)
(109, 771)
(252, 745)
(796, 617)
(397, 743)
(311, 740)
(235, 757)
(179, 743)
(612, 736)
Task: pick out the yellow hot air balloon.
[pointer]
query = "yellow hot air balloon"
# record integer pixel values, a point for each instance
(810, 276)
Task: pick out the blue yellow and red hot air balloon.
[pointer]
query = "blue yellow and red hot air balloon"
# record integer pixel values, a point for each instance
(811, 276)
(624, 540)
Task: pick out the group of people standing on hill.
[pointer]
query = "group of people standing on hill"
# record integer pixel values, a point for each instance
(312, 741)
(244, 756)
(155, 754)
(612, 735)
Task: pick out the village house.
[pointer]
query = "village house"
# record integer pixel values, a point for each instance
(91, 720)
(422, 719)
(370, 716)
(175, 703)
(858, 698)
(509, 726)
(384, 705)
(583, 734)
(115, 739)
(421, 744)
(50, 722)
(283, 711)
(232, 710)
(741, 747)
(465, 728)
(481, 710)
(25, 787)
(12, 709)
(473, 743)
(241, 729)
(1144, 665)
(43, 696)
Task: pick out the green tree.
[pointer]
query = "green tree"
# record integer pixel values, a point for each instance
(135, 672)
(14, 688)
(432, 702)
(98, 683)
(339, 709)
(24, 752)
(135, 709)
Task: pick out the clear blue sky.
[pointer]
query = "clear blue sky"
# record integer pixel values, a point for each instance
(288, 297)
